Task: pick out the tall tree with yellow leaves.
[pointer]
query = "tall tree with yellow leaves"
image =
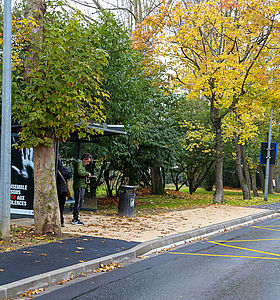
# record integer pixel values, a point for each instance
(220, 51)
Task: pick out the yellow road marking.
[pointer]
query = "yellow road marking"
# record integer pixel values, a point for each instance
(241, 248)
(270, 226)
(256, 240)
(259, 227)
(220, 255)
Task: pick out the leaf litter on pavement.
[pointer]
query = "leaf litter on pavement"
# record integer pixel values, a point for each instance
(24, 236)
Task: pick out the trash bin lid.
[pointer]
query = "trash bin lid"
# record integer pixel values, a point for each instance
(127, 187)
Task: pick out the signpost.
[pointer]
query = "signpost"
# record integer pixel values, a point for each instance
(5, 161)
(268, 157)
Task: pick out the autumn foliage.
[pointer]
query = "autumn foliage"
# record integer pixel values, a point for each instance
(225, 52)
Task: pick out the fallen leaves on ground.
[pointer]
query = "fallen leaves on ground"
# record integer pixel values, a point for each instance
(65, 280)
(31, 293)
(107, 268)
(24, 236)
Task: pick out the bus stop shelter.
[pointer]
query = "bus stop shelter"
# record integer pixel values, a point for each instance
(22, 178)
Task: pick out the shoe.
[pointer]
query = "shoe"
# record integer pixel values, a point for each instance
(62, 225)
(77, 222)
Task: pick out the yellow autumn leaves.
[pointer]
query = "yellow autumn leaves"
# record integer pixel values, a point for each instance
(198, 137)
(21, 36)
(225, 51)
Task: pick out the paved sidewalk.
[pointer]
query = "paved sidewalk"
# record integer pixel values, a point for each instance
(44, 265)
(30, 261)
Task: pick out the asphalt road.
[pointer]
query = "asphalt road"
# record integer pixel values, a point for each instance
(240, 264)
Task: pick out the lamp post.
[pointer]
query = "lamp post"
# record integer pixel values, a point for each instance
(268, 157)
(5, 161)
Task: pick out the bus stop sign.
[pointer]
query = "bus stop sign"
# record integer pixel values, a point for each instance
(273, 153)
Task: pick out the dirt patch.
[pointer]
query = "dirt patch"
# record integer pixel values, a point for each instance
(148, 227)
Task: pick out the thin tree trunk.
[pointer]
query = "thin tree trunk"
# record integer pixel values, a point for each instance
(270, 181)
(107, 181)
(190, 183)
(245, 167)
(261, 176)
(244, 187)
(46, 208)
(219, 193)
(175, 181)
(277, 177)
(254, 184)
(163, 177)
(202, 176)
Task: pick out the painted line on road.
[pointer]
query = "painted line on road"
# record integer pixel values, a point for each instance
(242, 248)
(221, 255)
(270, 226)
(266, 228)
(256, 240)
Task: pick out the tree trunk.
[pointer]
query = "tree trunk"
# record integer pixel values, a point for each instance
(245, 167)
(254, 184)
(96, 181)
(46, 208)
(202, 175)
(219, 193)
(209, 180)
(270, 181)
(244, 186)
(261, 176)
(107, 181)
(157, 187)
(175, 181)
(277, 177)
(163, 177)
(34, 9)
(190, 183)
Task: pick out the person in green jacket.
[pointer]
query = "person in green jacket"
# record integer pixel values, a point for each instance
(80, 185)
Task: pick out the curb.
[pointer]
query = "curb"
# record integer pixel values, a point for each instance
(44, 280)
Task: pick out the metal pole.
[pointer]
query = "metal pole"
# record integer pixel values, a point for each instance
(5, 166)
(268, 157)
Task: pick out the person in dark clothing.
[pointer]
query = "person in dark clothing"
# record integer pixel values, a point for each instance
(80, 185)
(63, 175)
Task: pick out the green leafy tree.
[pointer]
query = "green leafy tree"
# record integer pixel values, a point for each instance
(59, 92)
(137, 100)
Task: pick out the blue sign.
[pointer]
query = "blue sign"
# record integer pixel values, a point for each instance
(273, 153)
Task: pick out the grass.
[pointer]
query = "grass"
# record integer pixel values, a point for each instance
(172, 200)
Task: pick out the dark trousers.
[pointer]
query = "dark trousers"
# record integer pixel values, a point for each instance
(79, 195)
(61, 201)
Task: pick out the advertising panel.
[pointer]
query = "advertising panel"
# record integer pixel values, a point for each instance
(22, 181)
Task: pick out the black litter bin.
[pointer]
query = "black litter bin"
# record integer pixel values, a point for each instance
(126, 201)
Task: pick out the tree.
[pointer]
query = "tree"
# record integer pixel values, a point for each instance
(198, 144)
(59, 91)
(129, 12)
(138, 101)
(217, 50)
